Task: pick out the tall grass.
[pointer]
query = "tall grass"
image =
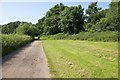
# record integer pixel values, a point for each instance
(13, 41)
(96, 36)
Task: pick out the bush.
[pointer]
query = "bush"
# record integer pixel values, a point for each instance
(13, 41)
(90, 36)
(26, 29)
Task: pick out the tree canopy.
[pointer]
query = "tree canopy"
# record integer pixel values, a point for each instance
(69, 20)
(10, 28)
(27, 29)
(72, 20)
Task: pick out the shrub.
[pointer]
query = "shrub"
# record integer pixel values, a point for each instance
(90, 36)
(26, 29)
(13, 41)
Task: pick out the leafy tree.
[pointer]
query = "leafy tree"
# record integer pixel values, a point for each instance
(92, 9)
(113, 16)
(94, 17)
(52, 19)
(111, 20)
(72, 20)
(27, 29)
(95, 23)
(40, 26)
(10, 28)
(0, 29)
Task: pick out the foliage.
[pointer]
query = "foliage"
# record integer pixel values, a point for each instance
(40, 26)
(26, 29)
(72, 20)
(113, 17)
(10, 28)
(62, 19)
(90, 36)
(52, 19)
(104, 20)
(91, 15)
(69, 20)
(13, 41)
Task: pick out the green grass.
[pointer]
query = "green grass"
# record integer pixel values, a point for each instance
(81, 59)
(13, 41)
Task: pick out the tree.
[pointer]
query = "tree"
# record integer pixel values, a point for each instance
(91, 11)
(72, 20)
(113, 16)
(26, 29)
(52, 19)
(0, 29)
(53, 22)
(95, 23)
(40, 26)
(94, 17)
(10, 28)
(111, 20)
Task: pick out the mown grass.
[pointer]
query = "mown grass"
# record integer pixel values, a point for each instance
(81, 59)
(90, 36)
(13, 41)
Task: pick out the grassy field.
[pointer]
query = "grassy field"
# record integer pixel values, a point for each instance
(81, 59)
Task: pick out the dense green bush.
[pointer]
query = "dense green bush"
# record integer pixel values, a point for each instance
(26, 29)
(90, 36)
(12, 42)
(10, 28)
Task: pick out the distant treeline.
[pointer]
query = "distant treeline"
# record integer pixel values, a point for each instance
(69, 20)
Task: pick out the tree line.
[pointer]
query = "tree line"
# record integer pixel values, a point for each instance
(69, 20)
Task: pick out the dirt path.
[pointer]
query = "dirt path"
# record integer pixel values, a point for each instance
(27, 62)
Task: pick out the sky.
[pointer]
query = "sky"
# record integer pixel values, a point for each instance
(32, 11)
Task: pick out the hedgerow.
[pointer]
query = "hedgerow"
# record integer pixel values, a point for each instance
(13, 41)
(90, 36)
